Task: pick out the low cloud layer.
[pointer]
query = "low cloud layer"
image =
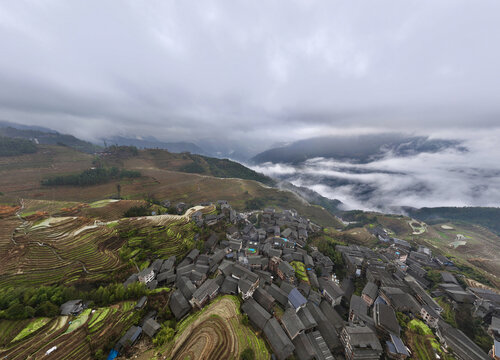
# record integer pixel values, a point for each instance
(249, 72)
(446, 178)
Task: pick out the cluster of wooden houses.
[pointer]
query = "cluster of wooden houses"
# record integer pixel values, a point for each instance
(319, 318)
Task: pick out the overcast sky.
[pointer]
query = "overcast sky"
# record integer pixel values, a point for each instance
(250, 70)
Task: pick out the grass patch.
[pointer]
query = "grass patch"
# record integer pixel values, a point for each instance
(78, 321)
(31, 328)
(300, 271)
(419, 327)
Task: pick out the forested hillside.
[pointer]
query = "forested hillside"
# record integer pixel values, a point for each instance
(13, 147)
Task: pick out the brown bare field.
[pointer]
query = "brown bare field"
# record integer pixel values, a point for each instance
(20, 177)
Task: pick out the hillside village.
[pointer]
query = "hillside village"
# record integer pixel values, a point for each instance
(292, 296)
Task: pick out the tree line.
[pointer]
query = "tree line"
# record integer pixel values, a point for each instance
(91, 177)
(44, 301)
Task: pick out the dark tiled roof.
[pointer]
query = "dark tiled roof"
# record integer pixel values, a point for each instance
(291, 322)
(151, 327)
(179, 305)
(229, 286)
(303, 347)
(371, 290)
(280, 296)
(332, 315)
(256, 313)
(384, 317)
(264, 298)
(363, 337)
(307, 318)
(326, 329)
(320, 346)
(279, 341)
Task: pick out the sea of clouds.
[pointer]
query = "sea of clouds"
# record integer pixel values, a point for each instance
(447, 178)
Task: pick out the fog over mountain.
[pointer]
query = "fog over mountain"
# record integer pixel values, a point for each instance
(464, 175)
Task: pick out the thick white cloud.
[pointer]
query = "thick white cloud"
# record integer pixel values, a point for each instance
(446, 178)
(253, 72)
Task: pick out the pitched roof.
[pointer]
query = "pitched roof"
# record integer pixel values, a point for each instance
(396, 346)
(286, 268)
(363, 337)
(279, 341)
(244, 285)
(303, 347)
(371, 290)
(326, 329)
(384, 316)
(229, 286)
(263, 298)
(320, 346)
(206, 289)
(358, 306)
(256, 313)
(296, 298)
(307, 318)
(150, 327)
(186, 287)
(331, 288)
(178, 304)
(291, 322)
(278, 294)
(332, 315)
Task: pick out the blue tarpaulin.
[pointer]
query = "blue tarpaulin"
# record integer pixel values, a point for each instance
(112, 354)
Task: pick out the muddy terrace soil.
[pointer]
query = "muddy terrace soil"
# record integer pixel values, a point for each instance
(216, 334)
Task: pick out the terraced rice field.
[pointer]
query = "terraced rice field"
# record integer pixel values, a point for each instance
(51, 250)
(92, 330)
(216, 332)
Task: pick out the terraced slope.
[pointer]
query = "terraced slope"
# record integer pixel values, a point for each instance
(54, 249)
(74, 337)
(216, 332)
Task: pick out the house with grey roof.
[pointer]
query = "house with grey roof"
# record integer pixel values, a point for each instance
(303, 348)
(129, 338)
(150, 327)
(332, 316)
(399, 300)
(307, 319)
(72, 307)
(326, 329)
(292, 323)
(320, 346)
(358, 310)
(360, 342)
(277, 338)
(430, 316)
(369, 293)
(331, 291)
(286, 272)
(463, 347)
(229, 286)
(206, 292)
(246, 288)
(264, 299)
(179, 305)
(278, 294)
(185, 285)
(385, 320)
(257, 315)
